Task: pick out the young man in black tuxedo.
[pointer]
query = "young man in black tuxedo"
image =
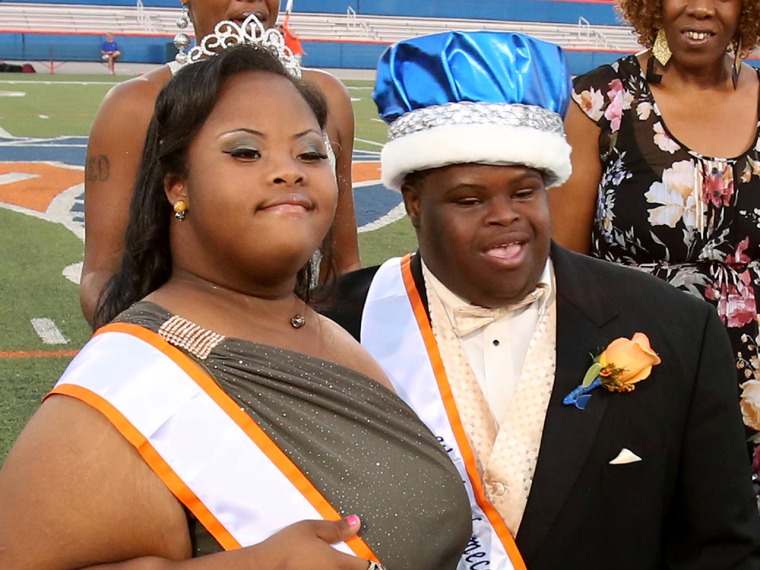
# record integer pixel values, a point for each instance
(489, 330)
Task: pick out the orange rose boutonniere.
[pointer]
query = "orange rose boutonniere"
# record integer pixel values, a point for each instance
(618, 368)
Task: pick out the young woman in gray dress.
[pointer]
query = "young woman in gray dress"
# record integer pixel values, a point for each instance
(214, 410)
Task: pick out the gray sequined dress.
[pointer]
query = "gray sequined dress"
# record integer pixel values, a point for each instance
(359, 444)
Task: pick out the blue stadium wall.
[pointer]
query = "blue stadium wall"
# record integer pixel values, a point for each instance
(136, 49)
(320, 54)
(349, 55)
(346, 55)
(65, 47)
(520, 10)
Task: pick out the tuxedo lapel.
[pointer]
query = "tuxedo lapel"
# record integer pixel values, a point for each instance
(583, 310)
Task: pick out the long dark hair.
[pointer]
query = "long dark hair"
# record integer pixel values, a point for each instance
(181, 109)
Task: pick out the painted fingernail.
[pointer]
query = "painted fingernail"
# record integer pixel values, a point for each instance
(352, 520)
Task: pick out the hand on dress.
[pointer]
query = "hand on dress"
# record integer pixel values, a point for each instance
(306, 545)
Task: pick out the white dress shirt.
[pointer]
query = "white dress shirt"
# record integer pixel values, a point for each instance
(496, 352)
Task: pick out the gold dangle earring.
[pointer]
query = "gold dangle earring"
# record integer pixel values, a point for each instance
(736, 68)
(180, 209)
(661, 49)
(660, 53)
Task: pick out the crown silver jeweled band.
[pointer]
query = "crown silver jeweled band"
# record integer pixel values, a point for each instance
(468, 113)
(252, 32)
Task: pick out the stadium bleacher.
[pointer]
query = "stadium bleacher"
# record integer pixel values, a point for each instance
(562, 11)
(335, 33)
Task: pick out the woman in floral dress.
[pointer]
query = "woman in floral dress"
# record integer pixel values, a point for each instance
(666, 162)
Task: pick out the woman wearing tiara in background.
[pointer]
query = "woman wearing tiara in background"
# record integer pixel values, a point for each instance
(216, 410)
(118, 133)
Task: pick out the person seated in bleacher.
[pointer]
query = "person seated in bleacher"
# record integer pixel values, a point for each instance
(110, 52)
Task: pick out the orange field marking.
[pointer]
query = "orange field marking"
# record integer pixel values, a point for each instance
(365, 171)
(39, 354)
(37, 193)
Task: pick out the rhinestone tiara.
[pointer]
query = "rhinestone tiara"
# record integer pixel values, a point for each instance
(251, 32)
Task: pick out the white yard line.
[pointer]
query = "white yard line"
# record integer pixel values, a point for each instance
(48, 332)
(24, 141)
(373, 143)
(393, 216)
(12, 177)
(73, 272)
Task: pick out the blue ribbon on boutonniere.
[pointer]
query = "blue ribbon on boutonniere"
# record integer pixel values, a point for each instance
(617, 368)
(580, 396)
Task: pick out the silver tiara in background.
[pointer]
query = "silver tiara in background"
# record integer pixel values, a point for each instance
(228, 33)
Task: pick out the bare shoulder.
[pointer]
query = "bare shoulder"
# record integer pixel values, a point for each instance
(323, 79)
(136, 95)
(340, 112)
(331, 86)
(749, 77)
(346, 351)
(118, 132)
(71, 474)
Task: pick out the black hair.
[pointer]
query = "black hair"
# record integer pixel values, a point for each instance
(416, 176)
(182, 107)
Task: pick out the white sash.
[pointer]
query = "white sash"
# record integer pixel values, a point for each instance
(396, 332)
(203, 446)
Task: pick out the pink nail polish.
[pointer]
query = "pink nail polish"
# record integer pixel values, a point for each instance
(352, 520)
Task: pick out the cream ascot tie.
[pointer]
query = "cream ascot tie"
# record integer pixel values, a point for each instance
(469, 318)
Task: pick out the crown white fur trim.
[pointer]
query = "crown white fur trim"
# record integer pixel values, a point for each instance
(548, 152)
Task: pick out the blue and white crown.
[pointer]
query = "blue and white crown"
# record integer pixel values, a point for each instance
(473, 97)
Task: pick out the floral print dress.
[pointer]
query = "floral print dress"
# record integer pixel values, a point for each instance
(689, 219)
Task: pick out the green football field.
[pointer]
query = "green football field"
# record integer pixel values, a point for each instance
(36, 249)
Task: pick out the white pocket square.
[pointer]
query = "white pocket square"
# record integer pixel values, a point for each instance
(625, 456)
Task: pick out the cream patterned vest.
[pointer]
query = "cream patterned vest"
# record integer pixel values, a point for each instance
(507, 454)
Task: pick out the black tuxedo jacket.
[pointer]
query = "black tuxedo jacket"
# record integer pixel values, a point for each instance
(688, 503)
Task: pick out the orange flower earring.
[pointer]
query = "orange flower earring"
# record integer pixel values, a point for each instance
(180, 209)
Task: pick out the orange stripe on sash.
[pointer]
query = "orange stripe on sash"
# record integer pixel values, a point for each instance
(456, 423)
(175, 484)
(246, 423)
